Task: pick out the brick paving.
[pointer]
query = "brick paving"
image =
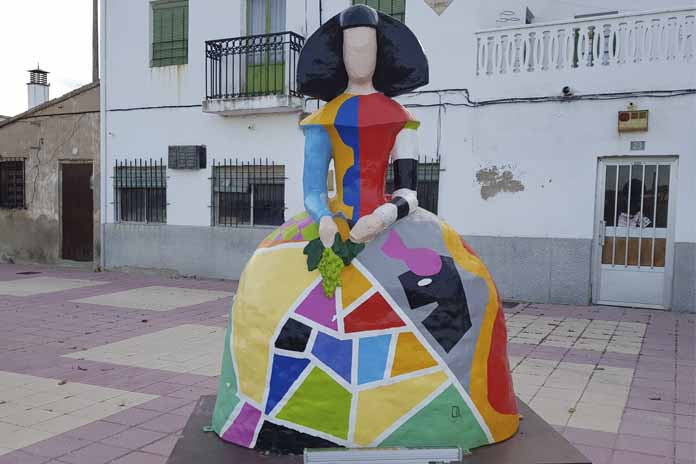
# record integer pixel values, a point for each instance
(83, 380)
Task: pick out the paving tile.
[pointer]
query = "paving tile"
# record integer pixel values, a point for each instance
(164, 446)
(685, 435)
(590, 437)
(20, 457)
(165, 404)
(595, 454)
(56, 446)
(686, 451)
(156, 298)
(166, 423)
(40, 285)
(628, 457)
(187, 348)
(645, 429)
(138, 457)
(133, 416)
(96, 453)
(645, 445)
(97, 430)
(688, 422)
(133, 438)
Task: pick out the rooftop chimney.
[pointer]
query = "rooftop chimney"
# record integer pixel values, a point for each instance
(37, 87)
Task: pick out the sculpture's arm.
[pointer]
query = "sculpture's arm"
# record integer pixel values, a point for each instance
(317, 158)
(404, 156)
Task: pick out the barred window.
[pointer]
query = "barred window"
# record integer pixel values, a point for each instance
(250, 193)
(12, 183)
(428, 182)
(140, 192)
(169, 32)
(394, 8)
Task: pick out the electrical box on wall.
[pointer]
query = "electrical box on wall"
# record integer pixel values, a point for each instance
(633, 121)
(187, 157)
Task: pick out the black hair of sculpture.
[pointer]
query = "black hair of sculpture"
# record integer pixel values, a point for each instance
(401, 62)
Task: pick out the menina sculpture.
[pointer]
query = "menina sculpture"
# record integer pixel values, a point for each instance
(399, 343)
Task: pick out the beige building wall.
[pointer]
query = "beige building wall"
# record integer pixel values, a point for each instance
(63, 130)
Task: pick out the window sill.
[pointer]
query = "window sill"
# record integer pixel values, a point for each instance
(135, 223)
(245, 226)
(239, 106)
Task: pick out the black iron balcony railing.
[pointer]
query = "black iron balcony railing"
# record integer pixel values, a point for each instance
(252, 66)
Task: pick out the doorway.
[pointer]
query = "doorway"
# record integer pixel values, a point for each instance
(635, 232)
(77, 212)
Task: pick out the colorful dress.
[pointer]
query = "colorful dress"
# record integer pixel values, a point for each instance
(411, 349)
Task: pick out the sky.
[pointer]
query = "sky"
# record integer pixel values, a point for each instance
(56, 34)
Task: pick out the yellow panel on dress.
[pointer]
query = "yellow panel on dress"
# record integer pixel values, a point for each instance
(257, 312)
(353, 285)
(410, 355)
(392, 402)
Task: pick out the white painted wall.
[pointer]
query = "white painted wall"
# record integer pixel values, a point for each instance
(556, 142)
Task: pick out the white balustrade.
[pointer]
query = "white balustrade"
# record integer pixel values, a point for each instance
(612, 41)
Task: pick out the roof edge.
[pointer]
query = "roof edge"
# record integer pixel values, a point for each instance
(50, 103)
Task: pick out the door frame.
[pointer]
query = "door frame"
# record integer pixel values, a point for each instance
(596, 267)
(59, 197)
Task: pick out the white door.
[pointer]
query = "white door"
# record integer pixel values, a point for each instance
(635, 218)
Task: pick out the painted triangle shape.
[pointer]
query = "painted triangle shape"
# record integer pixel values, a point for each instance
(373, 314)
(410, 355)
(284, 372)
(319, 308)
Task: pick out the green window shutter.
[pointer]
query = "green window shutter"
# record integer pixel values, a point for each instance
(169, 32)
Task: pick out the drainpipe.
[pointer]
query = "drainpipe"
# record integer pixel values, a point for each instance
(103, 158)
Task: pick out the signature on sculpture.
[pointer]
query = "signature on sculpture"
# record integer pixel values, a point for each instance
(365, 321)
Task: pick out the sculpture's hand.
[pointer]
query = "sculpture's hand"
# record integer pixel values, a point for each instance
(367, 228)
(327, 231)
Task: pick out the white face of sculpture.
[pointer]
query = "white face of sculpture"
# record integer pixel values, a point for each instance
(360, 54)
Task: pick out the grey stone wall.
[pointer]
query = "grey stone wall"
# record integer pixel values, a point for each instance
(200, 251)
(684, 286)
(540, 270)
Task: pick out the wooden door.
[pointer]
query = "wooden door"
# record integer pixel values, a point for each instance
(78, 212)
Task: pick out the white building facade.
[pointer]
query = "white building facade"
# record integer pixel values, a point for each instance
(564, 134)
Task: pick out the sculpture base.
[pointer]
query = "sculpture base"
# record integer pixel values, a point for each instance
(536, 442)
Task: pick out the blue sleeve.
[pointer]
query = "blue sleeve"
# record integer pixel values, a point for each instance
(317, 157)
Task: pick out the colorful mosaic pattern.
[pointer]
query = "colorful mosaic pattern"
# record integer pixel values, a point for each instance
(414, 340)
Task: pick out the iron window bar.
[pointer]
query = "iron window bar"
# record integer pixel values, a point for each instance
(247, 193)
(428, 182)
(140, 191)
(253, 66)
(12, 183)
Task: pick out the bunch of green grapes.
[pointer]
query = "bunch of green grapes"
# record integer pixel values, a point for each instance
(330, 268)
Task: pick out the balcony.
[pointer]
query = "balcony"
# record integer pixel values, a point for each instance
(618, 53)
(252, 74)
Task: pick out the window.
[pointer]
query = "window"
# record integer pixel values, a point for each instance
(248, 194)
(428, 183)
(141, 192)
(394, 8)
(169, 32)
(12, 183)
